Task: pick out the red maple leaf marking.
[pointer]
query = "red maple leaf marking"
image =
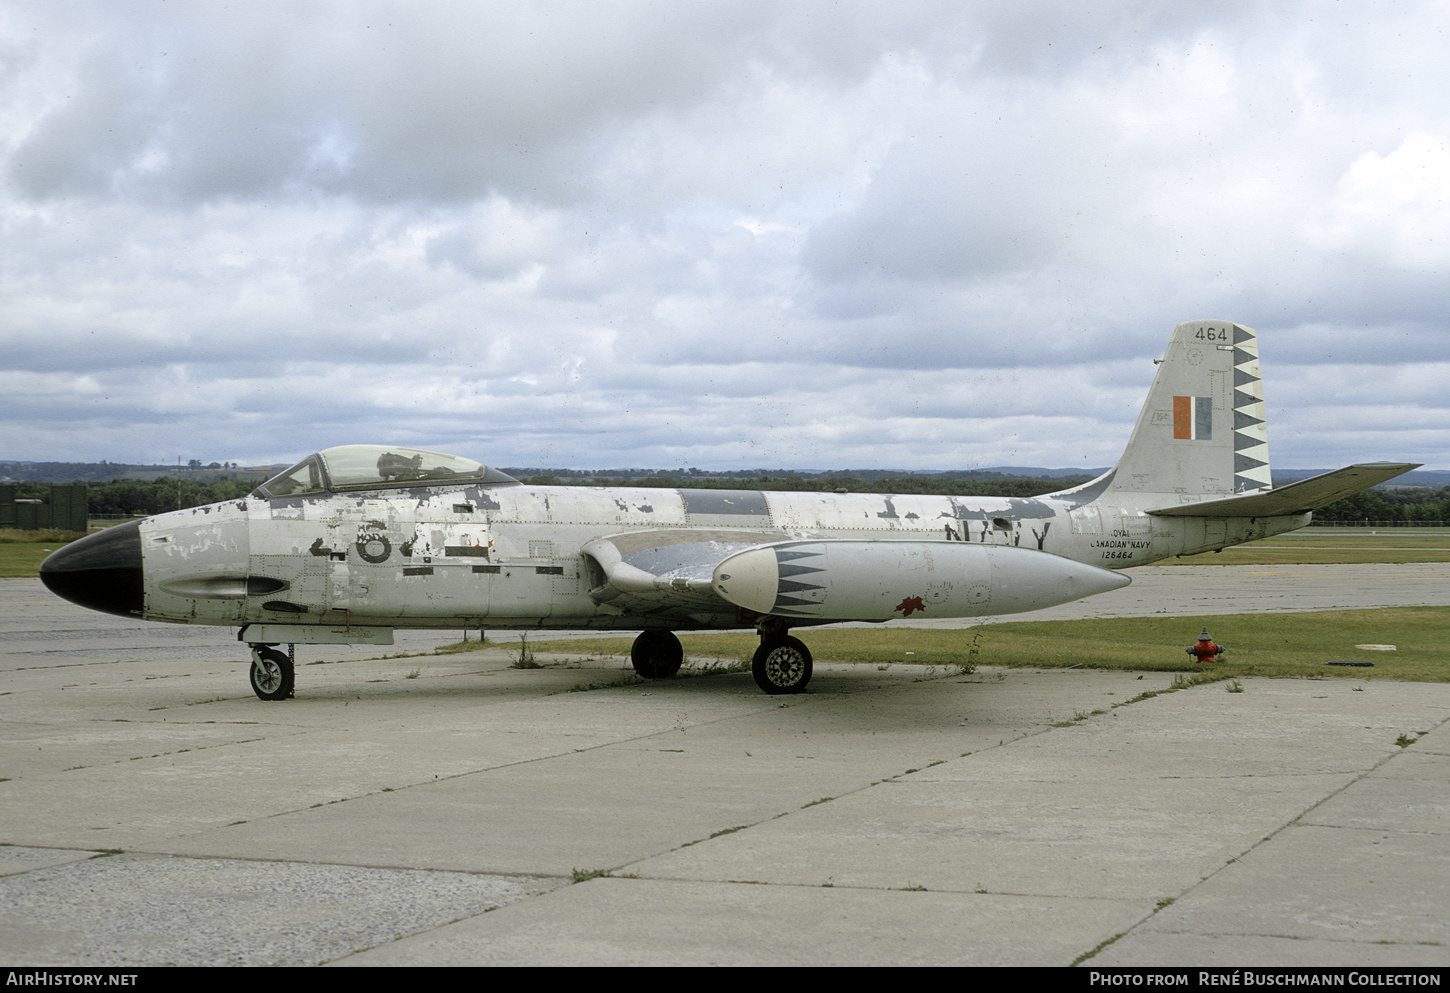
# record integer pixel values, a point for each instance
(909, 604)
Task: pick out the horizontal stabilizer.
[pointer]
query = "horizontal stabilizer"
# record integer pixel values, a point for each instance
(1296, 498)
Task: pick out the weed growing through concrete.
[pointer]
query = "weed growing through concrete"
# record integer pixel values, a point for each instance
(525, 659)
(715, 667)
(1100, 946)
(974, 652)
(607, 684)
(1234, 686)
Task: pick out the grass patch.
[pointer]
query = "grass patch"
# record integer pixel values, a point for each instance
(23, 558)
(45, 536)
(1277, 644)
(467, 645)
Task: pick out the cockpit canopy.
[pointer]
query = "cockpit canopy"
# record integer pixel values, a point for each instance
(357, 467)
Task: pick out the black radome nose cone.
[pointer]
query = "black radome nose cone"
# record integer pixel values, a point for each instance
(101, 571)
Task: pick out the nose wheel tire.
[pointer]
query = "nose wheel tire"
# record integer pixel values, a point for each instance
(272, 675)
(782, 666)
(657, 654)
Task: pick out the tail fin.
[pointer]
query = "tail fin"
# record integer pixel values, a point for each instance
(1202, 428)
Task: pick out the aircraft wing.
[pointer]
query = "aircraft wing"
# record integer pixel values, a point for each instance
(1296, 498)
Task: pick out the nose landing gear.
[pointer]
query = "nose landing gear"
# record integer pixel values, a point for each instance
(272, 673)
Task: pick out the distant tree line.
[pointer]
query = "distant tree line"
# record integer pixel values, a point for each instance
(1399, 506)
(100, 472)
(1009, 486)
(133, 497)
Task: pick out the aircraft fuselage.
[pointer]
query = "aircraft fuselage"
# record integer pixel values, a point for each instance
(511, 556)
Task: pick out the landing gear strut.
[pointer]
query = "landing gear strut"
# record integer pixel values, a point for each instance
(782, 664)
(272, 673)
(657, 654)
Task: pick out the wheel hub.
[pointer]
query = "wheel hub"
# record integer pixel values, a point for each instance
(784, 666)
(269, 676)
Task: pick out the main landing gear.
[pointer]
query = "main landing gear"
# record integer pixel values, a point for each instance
(657, 654)
(272, 673)
(782, 664)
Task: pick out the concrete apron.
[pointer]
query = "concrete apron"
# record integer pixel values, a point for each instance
(887, 817)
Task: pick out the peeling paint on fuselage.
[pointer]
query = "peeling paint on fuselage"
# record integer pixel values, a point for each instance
(510, 555)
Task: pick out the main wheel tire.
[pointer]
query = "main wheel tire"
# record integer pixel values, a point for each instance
(782, 666)
(272, 676)
(657, 654)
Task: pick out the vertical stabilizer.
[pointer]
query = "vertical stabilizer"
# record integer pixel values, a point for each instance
(1202, 429)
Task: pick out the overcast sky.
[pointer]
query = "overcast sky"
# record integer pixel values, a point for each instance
(726, 235)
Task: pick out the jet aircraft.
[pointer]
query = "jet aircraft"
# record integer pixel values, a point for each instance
(356, 541)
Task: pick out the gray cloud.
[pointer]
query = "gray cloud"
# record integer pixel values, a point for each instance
(915, 235)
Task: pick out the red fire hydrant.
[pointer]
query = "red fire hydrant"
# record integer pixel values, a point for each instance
(1205, 650)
